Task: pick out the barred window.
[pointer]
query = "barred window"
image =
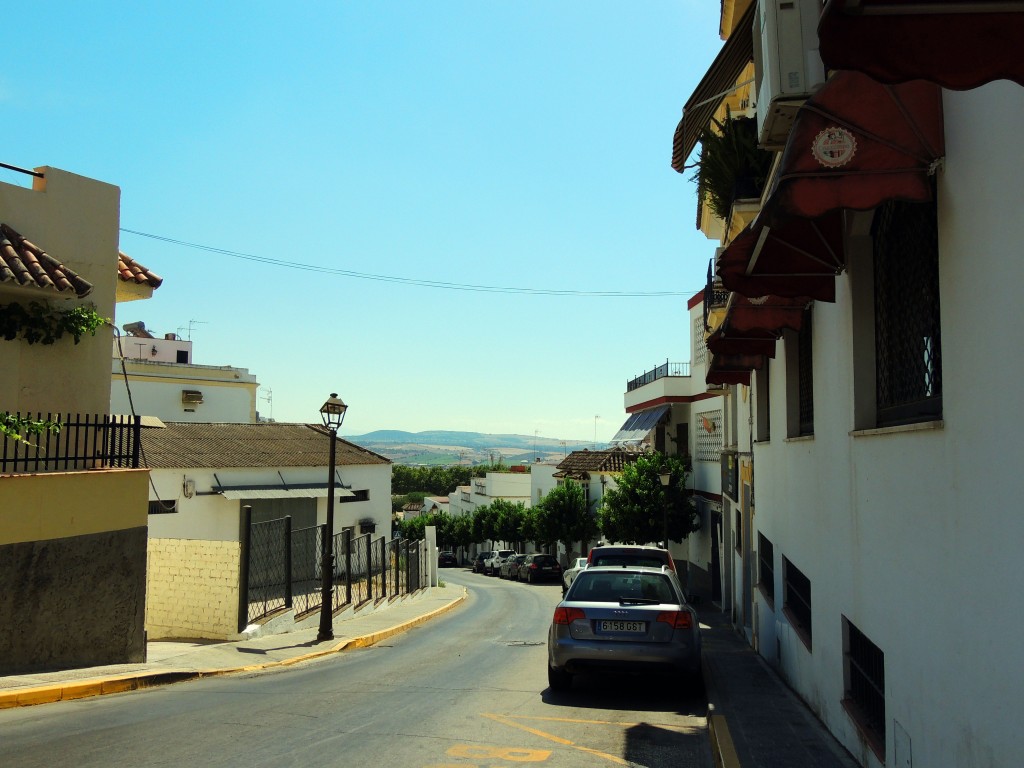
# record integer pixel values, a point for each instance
(766, 567)
(163, 507)
(708, 436)
(908, 350)
(864, 681)
(796, 600)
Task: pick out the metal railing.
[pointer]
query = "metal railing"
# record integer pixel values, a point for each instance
(83, 442)
(365, 569)
(659, 372)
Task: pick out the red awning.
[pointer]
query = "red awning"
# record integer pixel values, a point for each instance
(854, 145)
(796, 257)
(752, 326)
(711, 91)
(733, 369)
(958, 44)
(748, 334)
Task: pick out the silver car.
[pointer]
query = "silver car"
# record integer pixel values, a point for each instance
(623, 618)
(570, 573)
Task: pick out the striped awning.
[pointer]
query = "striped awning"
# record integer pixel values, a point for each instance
(639, 425)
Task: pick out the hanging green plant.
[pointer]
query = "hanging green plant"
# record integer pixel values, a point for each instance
(16, 427)
(42, 324)
(730, 165)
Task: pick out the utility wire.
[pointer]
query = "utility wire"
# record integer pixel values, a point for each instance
(406, 280)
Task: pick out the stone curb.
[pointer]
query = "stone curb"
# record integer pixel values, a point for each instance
(722, 748)
(46, 694)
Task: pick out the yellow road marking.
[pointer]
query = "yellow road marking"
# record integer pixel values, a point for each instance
(557, 739)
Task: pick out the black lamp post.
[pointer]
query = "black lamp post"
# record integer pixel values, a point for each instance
(333, 413)
(666, 479)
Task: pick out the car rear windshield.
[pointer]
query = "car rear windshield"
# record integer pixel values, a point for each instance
(544, 560)
(622, 587)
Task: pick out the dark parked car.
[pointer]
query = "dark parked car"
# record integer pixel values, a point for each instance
(447, 560)
(540, 568)
(510, 567)
(623, 618)
(478, 561)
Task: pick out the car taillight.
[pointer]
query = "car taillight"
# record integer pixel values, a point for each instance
(676, 619)
(568, 615)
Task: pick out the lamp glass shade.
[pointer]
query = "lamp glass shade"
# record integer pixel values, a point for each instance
(333, 411)
(666, 478)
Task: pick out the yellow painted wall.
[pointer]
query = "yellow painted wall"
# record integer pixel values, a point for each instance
(192, 589)
(56, 505)
(75, 219)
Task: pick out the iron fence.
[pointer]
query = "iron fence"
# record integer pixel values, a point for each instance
(83, 442)
(364, 569)
(266, 584)
(307, 591)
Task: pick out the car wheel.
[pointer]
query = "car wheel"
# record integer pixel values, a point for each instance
(559, 679)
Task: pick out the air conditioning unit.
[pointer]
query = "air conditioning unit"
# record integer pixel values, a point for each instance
(787, 64)
(189, 396)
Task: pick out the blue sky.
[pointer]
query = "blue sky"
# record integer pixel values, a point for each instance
(521, 145)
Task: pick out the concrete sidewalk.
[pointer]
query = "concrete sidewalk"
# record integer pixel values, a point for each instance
(170, 662)
(754, 719)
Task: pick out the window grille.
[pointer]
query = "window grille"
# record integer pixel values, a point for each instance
(805, 377)
(163, 507)
(766, 567)
(865, 681)
(908, 350)
(708, 436)
(700, 349)
(797, 600)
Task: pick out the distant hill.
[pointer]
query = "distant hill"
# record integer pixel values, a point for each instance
(451, 447)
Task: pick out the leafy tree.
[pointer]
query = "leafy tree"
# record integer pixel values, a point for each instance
(510, 519)
(562, 516)
(635, 512)
(484, 524)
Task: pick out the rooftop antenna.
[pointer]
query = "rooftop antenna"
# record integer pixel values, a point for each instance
(189, 327)
(596, 417)
(269, 398)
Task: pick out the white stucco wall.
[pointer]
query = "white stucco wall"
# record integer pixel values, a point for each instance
(229, 394)
(913, 535)
(213, 517)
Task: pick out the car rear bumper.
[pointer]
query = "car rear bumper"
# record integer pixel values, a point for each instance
(583, 655)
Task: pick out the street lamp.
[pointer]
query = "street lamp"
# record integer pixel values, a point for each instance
(333, 413)
(666, 478)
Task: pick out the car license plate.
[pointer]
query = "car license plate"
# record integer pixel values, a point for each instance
(623, 626)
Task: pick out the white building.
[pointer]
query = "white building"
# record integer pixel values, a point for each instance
(204, 475)
(876, 537)
(674, 411)
(159, 378)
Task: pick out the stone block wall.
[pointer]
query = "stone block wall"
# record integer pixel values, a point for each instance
(192, 589)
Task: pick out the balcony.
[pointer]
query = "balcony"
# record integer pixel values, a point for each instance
(659, 372)
(84, 442)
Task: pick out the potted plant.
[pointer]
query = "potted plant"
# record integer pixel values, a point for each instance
(730, 166)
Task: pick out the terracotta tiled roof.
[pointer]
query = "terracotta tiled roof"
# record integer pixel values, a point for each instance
(25, 263)
(179, 445)
(130, 271)
(578, 463)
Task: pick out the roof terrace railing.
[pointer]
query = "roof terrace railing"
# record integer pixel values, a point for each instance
(83, 442)
(659, 372)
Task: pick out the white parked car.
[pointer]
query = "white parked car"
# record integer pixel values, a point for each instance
(569, 574)
(493, 563)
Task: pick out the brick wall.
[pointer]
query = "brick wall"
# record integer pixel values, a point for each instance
(192, 589)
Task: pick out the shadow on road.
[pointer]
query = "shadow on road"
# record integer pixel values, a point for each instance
(631, 692)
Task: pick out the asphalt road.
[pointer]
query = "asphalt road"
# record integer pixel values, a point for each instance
(468, 689)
